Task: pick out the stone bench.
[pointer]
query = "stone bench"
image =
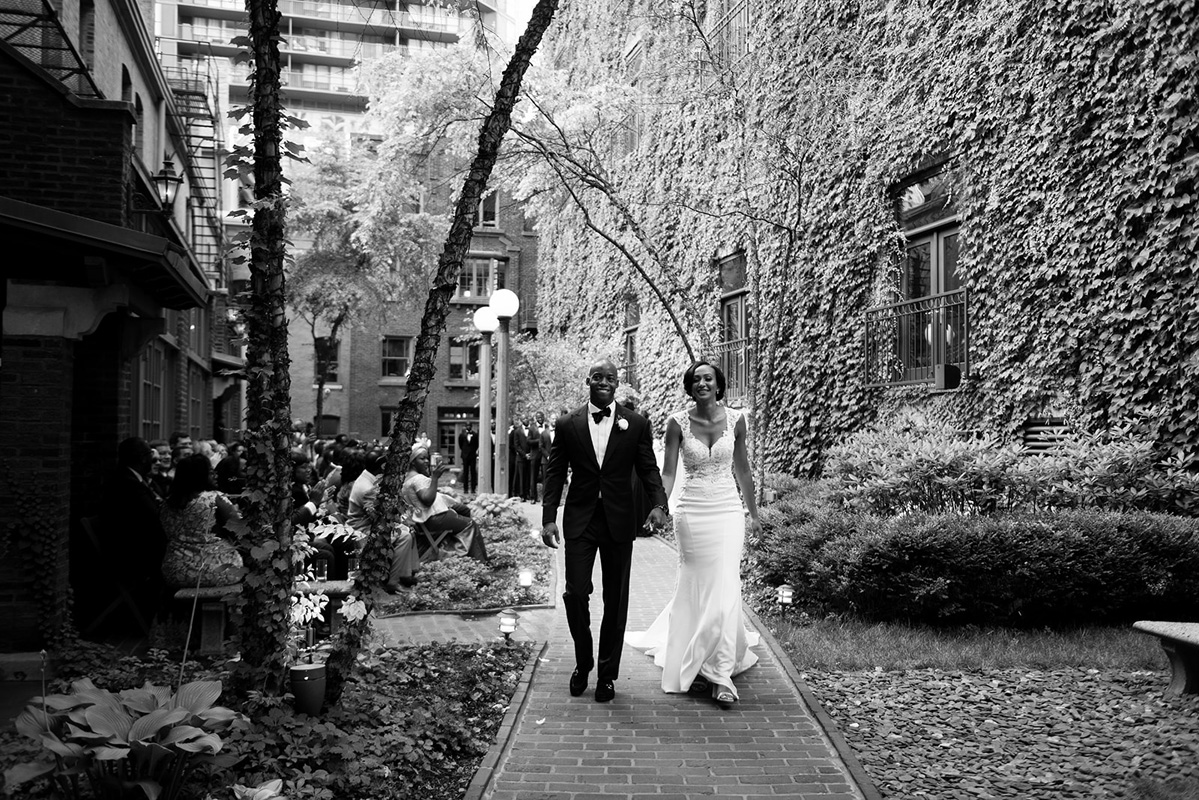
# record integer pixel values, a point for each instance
(1180, 640)
(213, 604)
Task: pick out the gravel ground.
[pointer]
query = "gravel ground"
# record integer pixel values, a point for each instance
(1013, 733)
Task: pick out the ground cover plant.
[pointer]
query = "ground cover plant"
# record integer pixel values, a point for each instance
(465, 584)
(412, 722)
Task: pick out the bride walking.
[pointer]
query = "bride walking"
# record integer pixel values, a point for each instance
(699, 639)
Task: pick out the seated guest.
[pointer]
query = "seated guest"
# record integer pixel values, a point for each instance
(231, 471)
(193, 517)
(405, 559)
(437, 511)
(131, 538)
(161, 471)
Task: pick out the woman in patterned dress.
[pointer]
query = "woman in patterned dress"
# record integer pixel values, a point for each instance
(193, 518)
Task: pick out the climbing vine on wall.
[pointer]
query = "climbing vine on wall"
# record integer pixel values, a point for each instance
(1073, 134)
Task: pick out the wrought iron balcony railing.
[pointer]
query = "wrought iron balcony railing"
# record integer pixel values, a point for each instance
(918, 341)
(733, 359)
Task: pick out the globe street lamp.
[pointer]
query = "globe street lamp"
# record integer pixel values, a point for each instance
(505, 304)
(485, 322)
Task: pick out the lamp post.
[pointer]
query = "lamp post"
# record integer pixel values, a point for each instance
(485, 322)
(505, 304)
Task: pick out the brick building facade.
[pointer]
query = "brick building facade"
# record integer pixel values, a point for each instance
(108, 290)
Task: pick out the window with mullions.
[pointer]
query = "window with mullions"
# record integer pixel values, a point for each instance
(396, 354)
(733, 349)
(632, 321)
(924, 336)
(326, 359)
(464, 361)
(479, 278)
(488, 215)
(726, 29)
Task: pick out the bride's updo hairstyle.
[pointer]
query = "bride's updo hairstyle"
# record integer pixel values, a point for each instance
(689, 378)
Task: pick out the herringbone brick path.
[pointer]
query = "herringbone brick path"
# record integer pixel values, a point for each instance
(647, 744)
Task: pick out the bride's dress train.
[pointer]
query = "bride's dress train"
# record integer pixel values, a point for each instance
(700, 632)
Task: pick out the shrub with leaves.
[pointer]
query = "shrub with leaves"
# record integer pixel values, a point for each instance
(1056, 569)
(146, 741)
(906, 467)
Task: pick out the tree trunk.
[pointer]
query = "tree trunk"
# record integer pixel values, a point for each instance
(403, 432)
(265, 540)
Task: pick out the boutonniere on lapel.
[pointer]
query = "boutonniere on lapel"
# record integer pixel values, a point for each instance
(622, 424)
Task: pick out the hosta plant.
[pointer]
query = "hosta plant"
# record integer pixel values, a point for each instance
(131, 744)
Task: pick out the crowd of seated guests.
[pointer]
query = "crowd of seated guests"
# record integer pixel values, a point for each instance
(164, 509)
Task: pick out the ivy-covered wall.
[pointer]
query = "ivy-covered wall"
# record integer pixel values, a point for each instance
(1072, 133)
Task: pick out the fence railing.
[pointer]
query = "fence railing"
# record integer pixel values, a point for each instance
(907, 341)
(733, 359)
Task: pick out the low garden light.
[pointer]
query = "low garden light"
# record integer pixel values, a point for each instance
(786, 594)
(525, 577)
(509, 622)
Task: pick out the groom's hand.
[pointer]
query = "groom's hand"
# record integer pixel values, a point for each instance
(549, 534)
(657, 519)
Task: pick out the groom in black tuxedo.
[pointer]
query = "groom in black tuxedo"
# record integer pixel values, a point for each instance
(603, 445)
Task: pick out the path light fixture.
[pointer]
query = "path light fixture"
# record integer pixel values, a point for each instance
(786, 595)
(525, 578)
(166, 184)
(485, 322)
(509, 622)
(505, 304)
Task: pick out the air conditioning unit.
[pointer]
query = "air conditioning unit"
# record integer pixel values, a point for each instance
(946, 377)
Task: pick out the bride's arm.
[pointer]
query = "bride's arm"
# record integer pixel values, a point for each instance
(674, 435)
(741, 468)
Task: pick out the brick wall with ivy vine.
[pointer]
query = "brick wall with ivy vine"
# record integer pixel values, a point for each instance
(1072, 131)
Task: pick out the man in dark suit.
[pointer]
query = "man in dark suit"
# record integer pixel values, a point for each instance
(131, 539)
(545, 443)
(468, 451)
(602, 445)
(534, 475)
(518, 459)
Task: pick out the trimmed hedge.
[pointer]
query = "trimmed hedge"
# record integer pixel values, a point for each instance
(1053, 569)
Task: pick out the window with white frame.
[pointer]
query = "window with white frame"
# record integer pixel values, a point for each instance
(326, 352)
(151, 370)
(396, 352)
(480, 277)
(488, 215)
(634, 63)
(464, 361)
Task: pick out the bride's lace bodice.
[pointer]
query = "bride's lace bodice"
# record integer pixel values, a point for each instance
(708, 469)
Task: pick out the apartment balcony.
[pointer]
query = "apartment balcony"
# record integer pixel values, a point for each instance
(293, 79)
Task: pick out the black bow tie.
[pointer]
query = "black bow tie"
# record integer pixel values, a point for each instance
(606, 411)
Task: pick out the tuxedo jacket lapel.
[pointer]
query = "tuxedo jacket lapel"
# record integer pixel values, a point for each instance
(584, 433)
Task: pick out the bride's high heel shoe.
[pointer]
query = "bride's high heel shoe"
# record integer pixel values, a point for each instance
(723, 696)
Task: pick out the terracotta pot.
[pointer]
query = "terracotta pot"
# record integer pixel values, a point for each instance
(308, 686)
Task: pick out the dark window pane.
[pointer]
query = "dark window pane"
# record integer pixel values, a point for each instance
(918, 271)
(949, 263)
(732, 273)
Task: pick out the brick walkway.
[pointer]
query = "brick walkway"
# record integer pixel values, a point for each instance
(647, 744)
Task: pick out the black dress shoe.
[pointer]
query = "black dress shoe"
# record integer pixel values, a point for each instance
(578, 683)
(604, 691)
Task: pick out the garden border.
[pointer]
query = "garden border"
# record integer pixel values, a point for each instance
(503, 737)
(836, 739)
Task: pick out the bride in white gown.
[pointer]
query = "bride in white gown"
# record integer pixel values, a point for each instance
(699, 640)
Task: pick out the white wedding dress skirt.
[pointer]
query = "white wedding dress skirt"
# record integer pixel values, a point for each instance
(700, 632)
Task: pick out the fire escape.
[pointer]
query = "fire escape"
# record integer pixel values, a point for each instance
(32, 28)
(194, 86)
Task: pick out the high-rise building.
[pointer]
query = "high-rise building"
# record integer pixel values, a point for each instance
(324, 47)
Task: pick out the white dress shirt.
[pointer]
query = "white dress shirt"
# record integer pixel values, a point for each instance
(600, 431)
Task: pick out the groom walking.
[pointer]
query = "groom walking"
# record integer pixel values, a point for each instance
(603, 445)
